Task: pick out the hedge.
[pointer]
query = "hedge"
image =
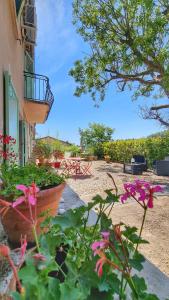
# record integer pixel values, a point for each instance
(153, 148)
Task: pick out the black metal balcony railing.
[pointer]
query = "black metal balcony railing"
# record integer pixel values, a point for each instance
(37, 88)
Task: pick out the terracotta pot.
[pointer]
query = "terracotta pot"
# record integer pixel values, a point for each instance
(15, 226)
(41, 160)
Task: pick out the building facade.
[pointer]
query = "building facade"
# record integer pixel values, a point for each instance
(25, 97)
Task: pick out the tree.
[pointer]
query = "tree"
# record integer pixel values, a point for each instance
(129, 41)
(94, 136)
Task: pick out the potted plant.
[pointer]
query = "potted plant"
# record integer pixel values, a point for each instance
(19, 182)
(107, 158)
(42, 151)
(101, 261)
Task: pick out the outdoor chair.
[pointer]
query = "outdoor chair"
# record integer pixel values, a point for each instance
(133, 168)
(161, 167)
(86, 168)
(140, 159)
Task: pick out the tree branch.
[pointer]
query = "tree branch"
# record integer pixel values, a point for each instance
(160, 107)
(133, 77)
(148, 114)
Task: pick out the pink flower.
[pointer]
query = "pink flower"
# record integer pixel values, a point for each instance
(18, 201)
(142, 191)
(98, 245)
(102, 244)
(99, 266)
(105, 235)
(22, 188)
(29, 193)
(39, 257)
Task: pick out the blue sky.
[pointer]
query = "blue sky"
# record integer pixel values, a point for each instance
(58, 46)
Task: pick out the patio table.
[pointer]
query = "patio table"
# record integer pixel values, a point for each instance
(74, 166)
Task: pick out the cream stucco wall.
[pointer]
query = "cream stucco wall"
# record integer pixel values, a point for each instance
(11, 54)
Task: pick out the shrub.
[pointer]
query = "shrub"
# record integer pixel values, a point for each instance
(153, 148)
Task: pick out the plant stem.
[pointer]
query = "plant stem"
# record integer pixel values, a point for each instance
(110, 210)
(15, 273)
(60, 269)
(121, 288)
(141, 229)
(36, 238)
(132, 286)
(142, 225)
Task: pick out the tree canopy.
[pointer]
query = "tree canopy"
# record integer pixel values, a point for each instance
(129, 42)
(94, 136)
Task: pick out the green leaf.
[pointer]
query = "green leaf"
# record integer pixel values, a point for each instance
(137, 261)
(130, 234)
(96, 294)
(105, 222)
(70, 292)
(53, 287)
(29, 274)
(139, 283)
(16, 296)
(72, 218)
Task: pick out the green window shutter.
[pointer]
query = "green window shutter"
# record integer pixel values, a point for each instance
(11, 126)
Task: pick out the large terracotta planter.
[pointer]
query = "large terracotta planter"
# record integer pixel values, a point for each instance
(15, 226)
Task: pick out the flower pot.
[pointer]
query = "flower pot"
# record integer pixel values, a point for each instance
(107, 158)
(15, 226)
(41, 160)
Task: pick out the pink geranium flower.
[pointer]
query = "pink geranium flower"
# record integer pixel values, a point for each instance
(99, 266)
(29, 194)
(142, 191)
(102, 244)
(105, 235)
(98, 245)
(39, 257)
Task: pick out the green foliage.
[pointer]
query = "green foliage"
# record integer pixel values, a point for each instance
(58, 146)
(42, 150)
(71, 236)
(94, 136)
(13, 175)
(129, 43)
(75, 150)
(153, 148)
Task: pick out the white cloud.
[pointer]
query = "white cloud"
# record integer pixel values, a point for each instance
(56, 41)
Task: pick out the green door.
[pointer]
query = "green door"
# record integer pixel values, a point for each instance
(11, 125)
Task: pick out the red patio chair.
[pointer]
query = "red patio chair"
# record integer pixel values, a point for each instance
(86, 168)
(68, 167)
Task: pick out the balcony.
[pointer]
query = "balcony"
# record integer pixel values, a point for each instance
(38, 97)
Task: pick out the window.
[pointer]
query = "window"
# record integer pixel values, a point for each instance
(18, 5)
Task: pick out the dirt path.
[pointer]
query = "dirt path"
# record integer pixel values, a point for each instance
(156, 229)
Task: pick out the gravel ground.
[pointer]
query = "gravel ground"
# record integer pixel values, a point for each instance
(156, 229)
